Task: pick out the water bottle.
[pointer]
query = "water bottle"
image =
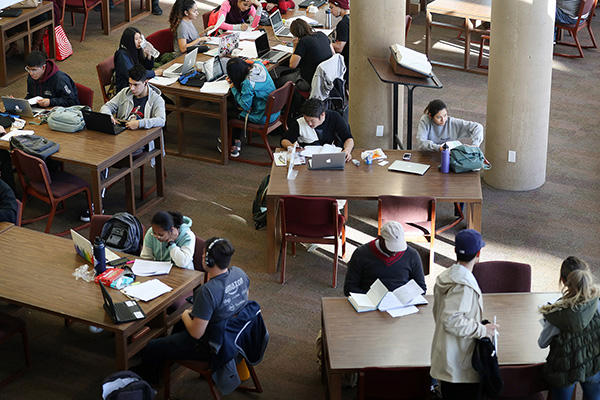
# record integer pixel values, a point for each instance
(445, 167)
(146, 45)
(99, 255)
(328, 18)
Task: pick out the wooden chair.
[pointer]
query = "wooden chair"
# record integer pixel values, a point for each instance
(485, 39)
(585, 7)
(19, 212)
(408, 22)
(311, 220)
(105, 70)
(394, 383)
(81, 7)
(503, 277)
(9, 327)
(417, 216)
(162, 40)
(52, 188)
(205, 18)
(279, 101)
(85, 95)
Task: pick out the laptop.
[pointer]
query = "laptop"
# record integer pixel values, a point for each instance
(263, 49)
(125, 311)
(228, 43)
(213, 70)
(20, 107)
(308, 3)
(189, 64)
(328, 161)
(277, 24)
(84, 248)
(100, 122)
(409, 167)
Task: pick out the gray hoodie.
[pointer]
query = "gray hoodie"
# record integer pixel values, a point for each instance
(122, 104)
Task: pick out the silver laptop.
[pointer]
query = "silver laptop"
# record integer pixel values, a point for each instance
(228, 43)
(20, 107)
(189, 64)
(213, 70)
(263, 50)
(328, 161)
(277, 24)
(410, 167)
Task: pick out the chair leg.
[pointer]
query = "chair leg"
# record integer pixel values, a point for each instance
(85, 20)
(294, 249)
(50, 218)
(335, 263)
(142, 182)
(72, 18)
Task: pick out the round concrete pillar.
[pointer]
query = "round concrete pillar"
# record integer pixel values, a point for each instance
(519, 86)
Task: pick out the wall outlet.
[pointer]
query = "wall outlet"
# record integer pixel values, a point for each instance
(379, 131)
(512, 156)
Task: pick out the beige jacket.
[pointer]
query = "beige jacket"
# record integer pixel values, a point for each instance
(457, 311)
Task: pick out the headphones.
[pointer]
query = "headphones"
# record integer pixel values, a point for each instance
(210, 261)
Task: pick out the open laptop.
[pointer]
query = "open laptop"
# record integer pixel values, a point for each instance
(20, 107)
(328, 161)
(228, 43)
(125, 311)
(409, 167)
(263, 49)
(277, 24)
(100, 122)
(189, 63)
(308, 3)
(84, 248)
(213, 70)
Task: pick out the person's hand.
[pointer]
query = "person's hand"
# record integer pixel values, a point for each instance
(174, 234)
(295, 40)
(256, 3)
(490, 329)
(205, 31)
(114, 121)
(269, 6)
(44, 102)
(244, 26)
(133, 124)
(348, 155)
(158, 72)
(2, 130)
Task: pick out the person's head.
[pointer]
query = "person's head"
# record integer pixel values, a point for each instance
(131, 42)
(243, 5)
(437, 111)
(237, 70)
(218, 253)
(467, 245)
(337, 6)
(163, 223)
(577, 281)
(181, 9)
(313, 111)
(36, 64)
(392, 237)
(138, 83)
(301, 28)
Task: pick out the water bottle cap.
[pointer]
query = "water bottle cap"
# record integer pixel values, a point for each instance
(98, 240)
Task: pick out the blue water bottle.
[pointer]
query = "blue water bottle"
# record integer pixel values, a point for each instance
(445, 167)
(99, 255)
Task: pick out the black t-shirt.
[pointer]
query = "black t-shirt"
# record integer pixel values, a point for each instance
(334, 130)
(342, 34)
(139, 105)
(314, 49)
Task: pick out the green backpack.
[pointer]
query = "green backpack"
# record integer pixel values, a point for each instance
(68, 119)
(467, 158)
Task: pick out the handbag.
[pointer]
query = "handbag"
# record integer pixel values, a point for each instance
(63, 45)
(467, 158)
(27, 4)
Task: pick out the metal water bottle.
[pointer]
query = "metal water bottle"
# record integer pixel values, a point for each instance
(328, 18)
(445, 167)
(99, 255)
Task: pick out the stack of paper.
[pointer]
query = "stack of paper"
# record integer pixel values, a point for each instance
(151, 268)
(411, 59)
(309, 151)
(147, 290)
(401, 301)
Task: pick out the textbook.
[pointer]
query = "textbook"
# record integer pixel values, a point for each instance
(370, 301)
(409, 62)
(401, 301)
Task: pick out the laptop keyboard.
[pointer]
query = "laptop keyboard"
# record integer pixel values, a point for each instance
(178, 70)
(283, 32)
(123, 312)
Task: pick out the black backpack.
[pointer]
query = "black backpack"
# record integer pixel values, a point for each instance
(485, 362)
(138, 389)
(259, 205)
(123, 232)
(34, 145)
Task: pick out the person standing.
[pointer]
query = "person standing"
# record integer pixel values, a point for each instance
(341, 8)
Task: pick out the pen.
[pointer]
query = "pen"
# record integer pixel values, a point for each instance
(130, 262)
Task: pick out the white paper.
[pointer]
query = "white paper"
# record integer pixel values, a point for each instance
(400, 312)
(309, 20)
(249, 35)
(408, 294)
(163, 80)
(310, 150)
(151, 268)
(217, 24)
(16, 132)
(34, 100)
(327, 32)
(248, 50)
(284, 48)
(212, 52)
(220, 87)
(291, 175)
(212, 40)
(147, 290)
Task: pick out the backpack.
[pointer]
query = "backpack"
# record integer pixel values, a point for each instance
(68, 119)
(193, 78)
(467, 158)
(34, 145)
(132, 387)
(123, 232)
(259, 205)
(485, 362)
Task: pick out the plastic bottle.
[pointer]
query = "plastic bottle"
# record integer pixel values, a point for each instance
(445, 167)
(151, 50)
(328, 18)
(99, 255)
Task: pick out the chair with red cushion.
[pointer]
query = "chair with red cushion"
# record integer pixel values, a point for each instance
(105, 70)
(394, 383)
(85, 95)
(81, 7)
(585, 7)
(162, 40)
(9, 327)
(503, 277)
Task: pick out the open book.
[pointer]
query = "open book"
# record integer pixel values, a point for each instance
(412, 60)
(401, 301)
(370, 301)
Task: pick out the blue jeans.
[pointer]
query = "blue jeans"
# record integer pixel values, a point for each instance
(563, 18)
(591, 389)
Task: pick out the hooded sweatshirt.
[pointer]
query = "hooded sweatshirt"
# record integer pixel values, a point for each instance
(54, 85)
(430, 135)
(181, 253)
(254, 93)
(122, 104)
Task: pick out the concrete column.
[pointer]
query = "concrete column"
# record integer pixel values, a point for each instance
(519, 85)
(374, 26)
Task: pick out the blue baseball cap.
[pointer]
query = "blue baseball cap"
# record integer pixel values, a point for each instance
(468, 241)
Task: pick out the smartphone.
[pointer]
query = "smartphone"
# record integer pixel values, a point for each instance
(406, 156)
(118, 261)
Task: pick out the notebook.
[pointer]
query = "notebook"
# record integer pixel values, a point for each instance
(328, 161)
(125, 311)
(277, 23)
(101, 122)
(84, 248)
(19, 107)
(189, 63)
(308, 3)
(263, 49)
(410, 167)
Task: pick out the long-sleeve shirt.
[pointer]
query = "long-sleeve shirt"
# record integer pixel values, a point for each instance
(430, 135)
(229, 24)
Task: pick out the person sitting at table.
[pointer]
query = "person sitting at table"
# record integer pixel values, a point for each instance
(130, 53)
(457, 312)
(319, 126)
(436, 127)
(8, 203)
(571, 328)
(45, 80)
(240, 15)
(282, 5)
(387, 258)
(170, 239)
(251, 86)
(181, 22)
(341, 8)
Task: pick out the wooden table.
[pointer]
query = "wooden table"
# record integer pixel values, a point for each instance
(352, 341)
(98, 151)
(467, 10)
(44, 282)
(368, 182)
(14, 29)
(129, 18)
(5, 225)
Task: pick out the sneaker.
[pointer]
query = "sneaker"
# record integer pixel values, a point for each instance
(85, 217)
(156, 10)
(236, 148)
(95, 329)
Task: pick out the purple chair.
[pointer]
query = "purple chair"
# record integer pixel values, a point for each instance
(85, 95)
(394, 383)
(9, 327)
(19, 212)
(162, 40)
(503, 277)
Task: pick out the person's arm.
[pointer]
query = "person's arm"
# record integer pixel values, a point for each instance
(195, 326)
(425, 144)
(223, 11)
(8, 202)
(353, 276)
(342, 132)
(417, 272)
(348, 146)
(255, 12)
(342, 35)
(111, 107)
(291, 136)
(66, 95)
(147, 253)
(454, 314)
(461, 129)
(298, 52)
(183, 255)
(338, 46)
(548, 333)
(245, 96)
(157, 114)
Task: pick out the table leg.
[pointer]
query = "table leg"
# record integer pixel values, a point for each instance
(121, 350)
(396, 140)
(160, 168)
(474, 216)
(127, 10)
(97, 190)
(180, 127)
(428, 33)
(224, 132)
(106, 16)
(273, 239)
(409, 117)
(468, 29)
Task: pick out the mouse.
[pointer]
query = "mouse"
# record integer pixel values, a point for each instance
(235, 52)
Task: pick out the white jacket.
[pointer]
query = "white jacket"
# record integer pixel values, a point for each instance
(457, 311)
(326, 73)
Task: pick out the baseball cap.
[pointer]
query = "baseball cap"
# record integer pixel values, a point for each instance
(468, 241)
(341, 3)
(393, 235)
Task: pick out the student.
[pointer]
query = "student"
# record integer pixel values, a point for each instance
(387, 258)
(341, 8)
(436, 127)
(567, 11)
(238, 14)
(45, 79)
(251, 86)
(572, 330)
(319, 126)
(130, 53)
(8, 204)
(458, 311)
(170, 239)
(282, 5)
(181, 22)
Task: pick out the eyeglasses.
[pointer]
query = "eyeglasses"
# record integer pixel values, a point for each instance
(33, 70)
(159, 236)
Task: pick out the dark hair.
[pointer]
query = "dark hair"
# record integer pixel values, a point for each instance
(465, 257)
(36, 59)
(167, 220)
(434, 107)
(138, 73)
(237, 70)
(128, 44)
(313, 107)
(178, 12)
(221, 251)
(301, 28)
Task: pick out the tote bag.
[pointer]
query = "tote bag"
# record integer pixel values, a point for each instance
(63, 46)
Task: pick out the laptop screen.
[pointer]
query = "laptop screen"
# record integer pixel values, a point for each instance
(262, 45)
(276, 21)
(213, 69)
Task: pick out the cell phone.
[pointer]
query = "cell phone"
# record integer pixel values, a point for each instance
(118, 261)
(406, 156)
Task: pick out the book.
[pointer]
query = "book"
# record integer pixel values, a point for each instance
(407, 295)
(411, 60)
(400, 302)
(370, 301)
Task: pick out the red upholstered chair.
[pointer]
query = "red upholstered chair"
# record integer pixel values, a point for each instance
(82, 7)
(503, 277)
(417, 216)
(484, 39)
(311, 220)
(394, 383)
(205, 18)
(523, 382)
(52, 188)
(85, 95)
(279, 101)
(585, 7)
(162, 40)
(105, 70)
(9, 327)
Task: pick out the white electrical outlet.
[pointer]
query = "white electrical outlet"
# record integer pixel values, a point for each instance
(512, 156)
(379, 131)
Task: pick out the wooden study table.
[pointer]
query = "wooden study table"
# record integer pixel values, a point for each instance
(39, 276)
(5, 225)
(98, 151)
(368, 182)
(129, 17)
(352, 341)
